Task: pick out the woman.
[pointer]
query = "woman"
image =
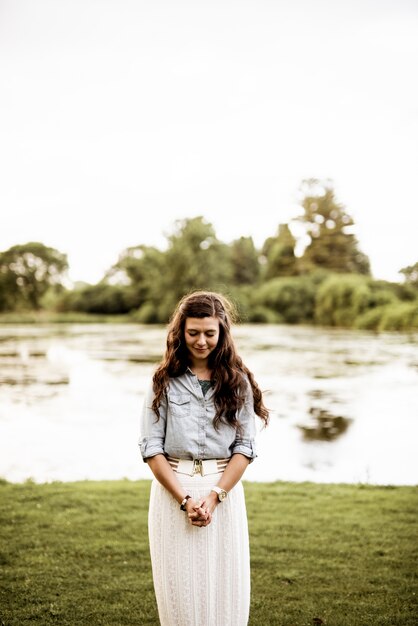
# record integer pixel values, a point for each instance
(197, 436)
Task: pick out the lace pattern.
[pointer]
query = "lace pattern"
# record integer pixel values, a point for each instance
(201, 575)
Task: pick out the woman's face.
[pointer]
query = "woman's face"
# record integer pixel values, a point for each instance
(201, 336)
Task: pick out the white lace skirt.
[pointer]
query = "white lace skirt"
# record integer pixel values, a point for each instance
(201, 574)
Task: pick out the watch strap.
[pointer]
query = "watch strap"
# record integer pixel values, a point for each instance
(183, 503)
(220, 492)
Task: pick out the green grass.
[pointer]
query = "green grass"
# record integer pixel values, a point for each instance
(77, 554)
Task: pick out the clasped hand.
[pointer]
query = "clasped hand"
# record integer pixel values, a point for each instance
(200, 512)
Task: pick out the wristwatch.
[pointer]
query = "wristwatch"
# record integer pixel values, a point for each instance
(221, 493)
(183, 503)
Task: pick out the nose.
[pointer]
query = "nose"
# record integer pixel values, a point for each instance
(201, 340)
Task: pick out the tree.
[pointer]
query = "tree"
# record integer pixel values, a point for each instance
(195, 259)
(410, 274)
(27, 272)
(244, 261)
(279, 252)
(332, 245)
(138, 265)
(139, 273)
(140, 268)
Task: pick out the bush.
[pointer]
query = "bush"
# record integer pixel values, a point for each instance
(385, 292)
(100, 298)
(381, 293)
(263, 315)
(395, 316)
(146, 314)
(371, 319)
(292, 299)
(341, 299)
(400, 316)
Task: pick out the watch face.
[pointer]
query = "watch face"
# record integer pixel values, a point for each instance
(222, 495)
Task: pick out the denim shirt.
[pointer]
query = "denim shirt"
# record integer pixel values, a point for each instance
(185, 428)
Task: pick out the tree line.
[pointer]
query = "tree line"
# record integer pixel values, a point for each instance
(329, 283)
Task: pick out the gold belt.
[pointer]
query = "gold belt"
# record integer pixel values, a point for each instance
(204, 467)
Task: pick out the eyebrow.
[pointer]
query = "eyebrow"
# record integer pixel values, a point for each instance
(197, 330)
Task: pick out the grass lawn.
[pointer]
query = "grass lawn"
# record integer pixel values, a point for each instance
(342, 555)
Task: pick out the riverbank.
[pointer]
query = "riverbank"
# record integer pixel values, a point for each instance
(398, 323)
(50, 317)
(340, 555)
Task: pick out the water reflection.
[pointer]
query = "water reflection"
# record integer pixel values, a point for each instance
(70, 397)
(324, 425)
(27, 375)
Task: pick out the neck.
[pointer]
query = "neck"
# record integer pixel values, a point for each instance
(201, 370)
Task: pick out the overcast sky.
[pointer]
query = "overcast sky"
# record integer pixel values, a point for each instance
(118, 117)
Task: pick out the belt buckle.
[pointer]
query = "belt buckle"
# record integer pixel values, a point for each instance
(197, 467)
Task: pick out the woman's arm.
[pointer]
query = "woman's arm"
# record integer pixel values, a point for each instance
(232, 474)
(163, 472)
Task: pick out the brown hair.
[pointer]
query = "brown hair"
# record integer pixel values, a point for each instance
(229, 372)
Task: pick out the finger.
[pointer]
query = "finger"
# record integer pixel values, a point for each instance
(202, 511)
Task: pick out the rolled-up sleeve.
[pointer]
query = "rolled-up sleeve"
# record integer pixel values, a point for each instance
(245, 440)
(152, 430)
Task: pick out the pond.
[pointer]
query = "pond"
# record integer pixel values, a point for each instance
(344, 404)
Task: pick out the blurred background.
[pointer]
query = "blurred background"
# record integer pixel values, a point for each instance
(265, 150)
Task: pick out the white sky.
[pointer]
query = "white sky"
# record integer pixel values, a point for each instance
(119, 116)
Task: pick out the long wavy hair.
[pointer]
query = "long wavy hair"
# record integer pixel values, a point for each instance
(229, 374)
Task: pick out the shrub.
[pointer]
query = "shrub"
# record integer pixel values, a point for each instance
(400, 316)
(292, 299)
(100, 298)
(371, 319)
(146, 314)
(264, 315)
(341, 299)
(394, 316)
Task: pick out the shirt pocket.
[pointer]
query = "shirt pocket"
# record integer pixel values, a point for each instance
(179, 404)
